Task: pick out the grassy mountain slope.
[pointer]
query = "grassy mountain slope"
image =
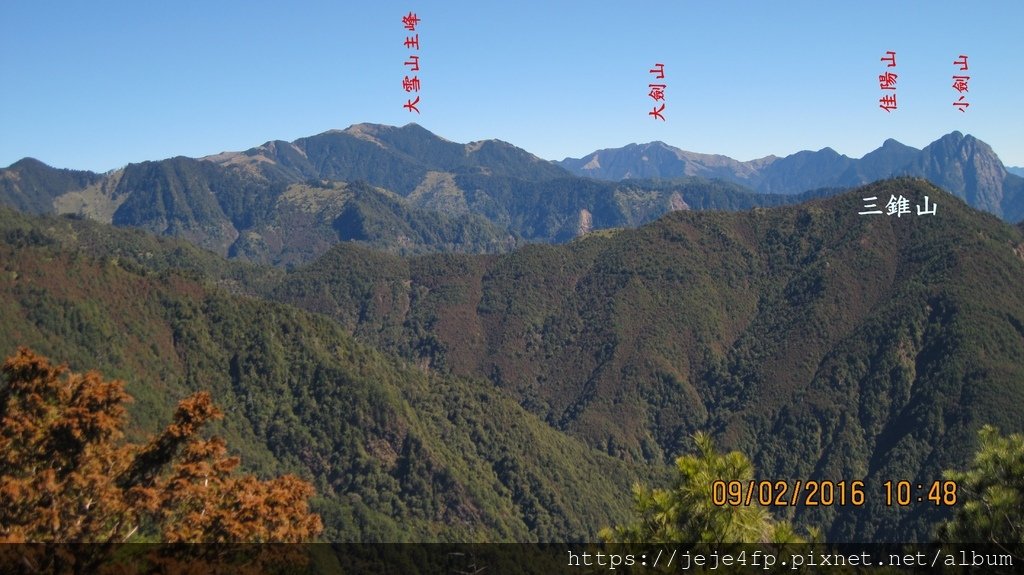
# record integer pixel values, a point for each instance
(827, 344)
(30, 186)
(395, 453)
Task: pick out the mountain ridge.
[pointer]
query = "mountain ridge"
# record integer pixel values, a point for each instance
(824, 343)
(285, 202)
(280, 202)
(409, 149)
(961, 164)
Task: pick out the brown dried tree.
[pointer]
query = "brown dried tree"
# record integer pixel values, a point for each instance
(68, 476)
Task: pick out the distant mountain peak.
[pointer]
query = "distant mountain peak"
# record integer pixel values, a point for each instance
(475, 146)
(363, 127)
(368, 132)
(958, 141)
(954, 137)
(27, 162)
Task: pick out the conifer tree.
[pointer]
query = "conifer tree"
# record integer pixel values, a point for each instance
(990, 493)
(686, 512)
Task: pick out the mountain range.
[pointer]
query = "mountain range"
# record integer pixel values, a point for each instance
(962, 165)
(403, 189)
(466, 342)
(409, 191)
(517, 396)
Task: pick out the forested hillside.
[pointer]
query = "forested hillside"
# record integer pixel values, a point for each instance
(826, 344)
(396, 453)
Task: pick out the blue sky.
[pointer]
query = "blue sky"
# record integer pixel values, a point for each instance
(96, 85)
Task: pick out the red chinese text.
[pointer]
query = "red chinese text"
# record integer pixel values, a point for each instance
(412, 83)
(960, 83)
(657, 92)
(887, 81)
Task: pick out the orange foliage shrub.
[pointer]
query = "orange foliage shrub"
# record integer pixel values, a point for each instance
(67, 475)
